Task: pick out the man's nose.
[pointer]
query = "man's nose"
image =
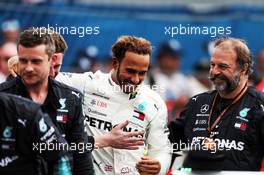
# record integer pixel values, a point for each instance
(214, 70)
(135, 79)
(29, 67)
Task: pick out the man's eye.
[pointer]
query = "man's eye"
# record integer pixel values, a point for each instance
(131, 71)
(36, 61)
(21, 60)
(142, 73)
(223, 66)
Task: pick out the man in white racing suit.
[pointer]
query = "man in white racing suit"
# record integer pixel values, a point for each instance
(110, 99)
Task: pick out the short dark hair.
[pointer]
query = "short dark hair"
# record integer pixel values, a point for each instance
(60, 44)
(244, 57)
(132, 44)
(36, 36)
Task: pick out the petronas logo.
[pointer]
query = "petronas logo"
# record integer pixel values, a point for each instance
(7, 132)
(142, 106)
(42, 125)
(243, 112)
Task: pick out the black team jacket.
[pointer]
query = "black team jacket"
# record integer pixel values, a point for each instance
(64, 106)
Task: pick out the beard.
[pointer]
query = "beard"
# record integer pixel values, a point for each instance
(126, 85)
(31, 80)
(228, 85)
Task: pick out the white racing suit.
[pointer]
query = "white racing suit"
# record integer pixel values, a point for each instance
(105, 106)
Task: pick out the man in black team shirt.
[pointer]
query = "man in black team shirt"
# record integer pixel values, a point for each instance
(227, 124)
(116, 138)
(23, 129)
(61, 102)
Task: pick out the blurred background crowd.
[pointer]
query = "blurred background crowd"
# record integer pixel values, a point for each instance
(180, 62)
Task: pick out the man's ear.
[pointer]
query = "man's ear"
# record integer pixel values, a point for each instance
(52, 62)
(54, 57)
(115, 63)
(245, 68)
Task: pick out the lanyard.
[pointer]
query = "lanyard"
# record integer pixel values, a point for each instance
(241, 93)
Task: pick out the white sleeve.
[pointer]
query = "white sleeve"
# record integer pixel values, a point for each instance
(159, 146)
(76, 80)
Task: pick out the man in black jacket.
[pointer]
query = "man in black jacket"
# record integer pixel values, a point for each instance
(116, 138)
(61, 102)
(25, 132)
(224, 127)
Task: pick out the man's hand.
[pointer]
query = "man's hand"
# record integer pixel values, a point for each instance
(119, 139)
(13, 65)
(148, 166)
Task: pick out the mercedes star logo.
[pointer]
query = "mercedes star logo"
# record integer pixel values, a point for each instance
(204, 108)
